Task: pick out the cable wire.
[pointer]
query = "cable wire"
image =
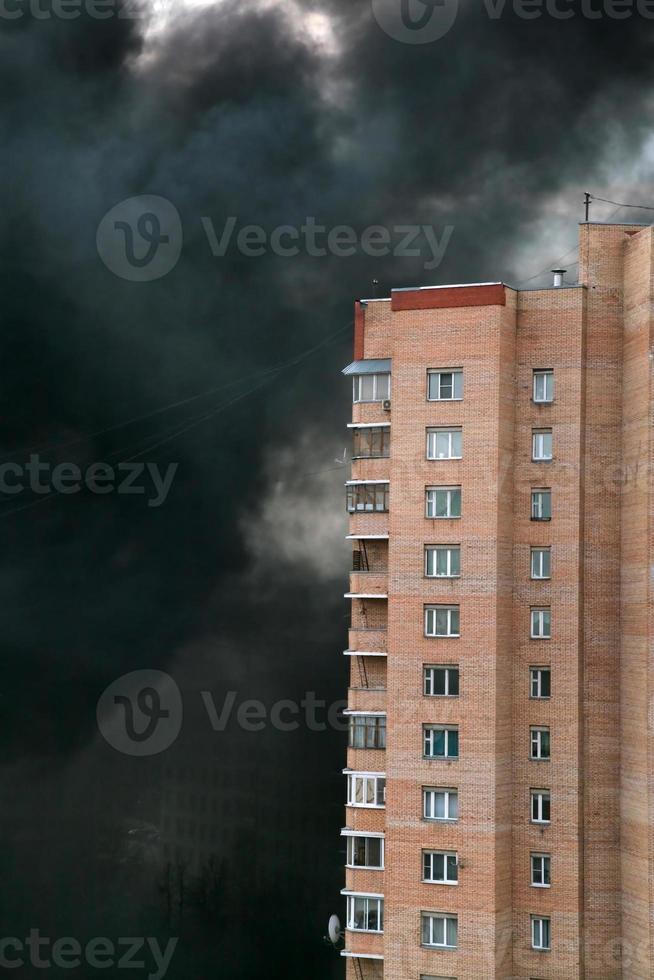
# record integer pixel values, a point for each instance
(639, 207)
(273, 374)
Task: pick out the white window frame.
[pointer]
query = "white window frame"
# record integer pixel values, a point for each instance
(351, 836)
(438, 373)
(430, 616)
(428, 733)
(434, 431)
(431, 560)
(540, 625)
(541, 491)
(428, 680)
(536, 743)
(429, 794)
(545, 375)
(541, 563)
(366, 778)
(428, 856)
(536, 683)
(539, 796)
(371, 901)
(430, 503)
(541, 934)
(540, 866)
(379, 396)
(538, 445)
(443, 917)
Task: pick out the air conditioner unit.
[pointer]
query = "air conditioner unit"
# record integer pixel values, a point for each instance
(386, 404)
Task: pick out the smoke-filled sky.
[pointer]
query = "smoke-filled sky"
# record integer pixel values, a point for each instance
(227, 369)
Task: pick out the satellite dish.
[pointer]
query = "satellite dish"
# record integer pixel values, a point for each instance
(334, 930)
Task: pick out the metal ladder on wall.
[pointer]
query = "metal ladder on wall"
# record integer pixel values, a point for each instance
(358, 968)
(360, 561)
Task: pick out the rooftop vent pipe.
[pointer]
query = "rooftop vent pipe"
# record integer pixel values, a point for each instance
(558, 276)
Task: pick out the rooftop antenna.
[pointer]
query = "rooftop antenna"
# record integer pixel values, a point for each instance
(587, 198)
(375, 284)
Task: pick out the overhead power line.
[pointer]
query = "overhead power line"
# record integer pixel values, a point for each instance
(550, 266)
(638, 207)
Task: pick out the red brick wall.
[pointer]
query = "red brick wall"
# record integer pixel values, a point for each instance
(601, 836)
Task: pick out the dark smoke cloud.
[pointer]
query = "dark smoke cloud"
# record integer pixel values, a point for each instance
(234, 110)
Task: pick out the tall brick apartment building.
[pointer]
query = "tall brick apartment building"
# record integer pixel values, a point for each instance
(499, 772)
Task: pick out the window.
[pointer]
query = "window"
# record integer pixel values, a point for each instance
(443, 502)
(540, 932)
(440, 804)
(442, 621)
(541, 445)
(540, 870)
(543, 386)
(444, 443)
(440, 867)
(371, 441)
(365, 913)
(365, 852)
(540, 806)
(439, 930)
(441, 682)
(443, 560)
(539, 682)
(541, 562)
(440, 742)
(541, 624)
(541, 504)
(367, 496)
(371, 387)
(445, 385)
(540, 743)
(367, 731)
(366, 789)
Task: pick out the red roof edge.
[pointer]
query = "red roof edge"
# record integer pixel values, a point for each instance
(448, 297)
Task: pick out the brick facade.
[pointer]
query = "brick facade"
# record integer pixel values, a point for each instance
(596, 339)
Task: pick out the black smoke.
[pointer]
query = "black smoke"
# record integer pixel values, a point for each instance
(229, 367)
